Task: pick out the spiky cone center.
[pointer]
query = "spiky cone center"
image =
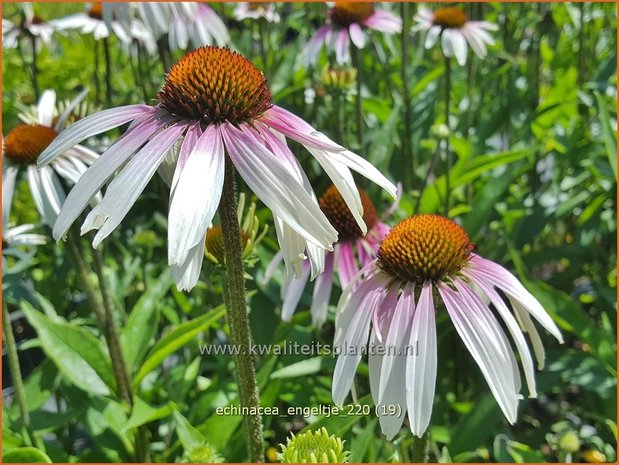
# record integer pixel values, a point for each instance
(26, 142)
(449, 18)
(314, 447)
(339, 215)
(346, 13)
(425, 248)
(96, 11)
(215, 85)
(215, 243)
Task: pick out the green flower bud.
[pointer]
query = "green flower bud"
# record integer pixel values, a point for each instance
(569, 442)
(314, 447)
(204, 453)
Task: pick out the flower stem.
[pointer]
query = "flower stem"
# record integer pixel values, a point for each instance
(15, 369)
(448, 156)
(407, 153)
(419, 452)
(108, 71)
(35, 68)
(234, 295)
(356, 60)
(95, 74)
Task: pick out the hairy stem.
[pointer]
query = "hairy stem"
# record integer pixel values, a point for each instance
(108, 72)
(419, 453)
(407, 153)
(234, 295)
(448, 156)
(356, 59)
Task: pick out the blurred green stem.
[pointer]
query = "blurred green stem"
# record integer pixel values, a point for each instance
(108, 71)
(356, 61)
(407, 153)
(35, 68)
(419, 453)
(238, 321)
(448, 157)
(15, 369)
(165, 56)
(95, 73)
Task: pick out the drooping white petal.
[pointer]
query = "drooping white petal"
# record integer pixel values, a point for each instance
(292, 247)
(292, 292)
(421, 366)
(45, 108)
(538, 348)
(47, 192)
(100, 171)
(196, 195)
(9, 175)
(90, 126)
(364, 168)
(275, 186)
(322, 293)
(124, 190)
(356, 35)
(186, 274)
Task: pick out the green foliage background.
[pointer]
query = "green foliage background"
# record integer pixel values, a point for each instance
(533, 183)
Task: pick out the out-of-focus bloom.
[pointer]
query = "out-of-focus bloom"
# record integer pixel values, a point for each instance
(422, 258)
(31, 27)
(96, 22)
(314, 447)
(352, 251)
(594, 456)
(454, 30)
(184, 22)
(256, 10)
(23, 145)
(339, 78)
(249, 227)
(347, 23)
(218, 103)
(204, 453)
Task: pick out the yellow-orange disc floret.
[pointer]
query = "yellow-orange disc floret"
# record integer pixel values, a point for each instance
(339, 215)
(424, 247)
(450, 17)
(346, 13)
(215, 85)
(26, 142)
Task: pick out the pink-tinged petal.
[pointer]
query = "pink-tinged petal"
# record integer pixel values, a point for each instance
(383, 21)
(382, 318)
(421, 366)
(356, 35)
(296, 129)
(272, 268)
(195, 197)
(507, 282)
(481, 334)
(124, 190)
(277, 188)
(95, 177)
(512, 326)
(342, 46)
(186, 274)
(347, 266)
(322, 293)
(355, 339)
(191, 138)
(364, 168)
(292, 292)
(315, 44)
(90, 126)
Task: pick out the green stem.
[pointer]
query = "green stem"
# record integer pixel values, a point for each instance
(165, 56)
(448, 157)
(407, 152)
(108, 72)
(35, 68)
(356, 59)
(419, 453)
(96, 72)
(14, 368)
(234, 295)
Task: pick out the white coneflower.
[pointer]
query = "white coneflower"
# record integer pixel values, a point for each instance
(218, 103)
(31, 26)
(256, 11)
(424, 260)
(451, 25)
(22, 146)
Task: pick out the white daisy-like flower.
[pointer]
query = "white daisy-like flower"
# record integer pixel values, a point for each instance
(32, 27)
(424, 261)
(451, 25)
(256, 11)
(218, 104)
(22, 146)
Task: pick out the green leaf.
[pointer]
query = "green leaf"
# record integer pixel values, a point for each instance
(190, 437)
(302, 368)
(25, 455)
(608, 132)
(474, 428)
(78, 354)
(143, 413)
(176, 338)
(143, 321)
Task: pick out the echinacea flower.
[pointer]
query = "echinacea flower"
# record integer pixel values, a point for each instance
(454, 30)
(184, 22)
(256, 11)
(347, 23)
(22, 146)
(218, 104)
(31, 27)
(424, 260)
(353, 251)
